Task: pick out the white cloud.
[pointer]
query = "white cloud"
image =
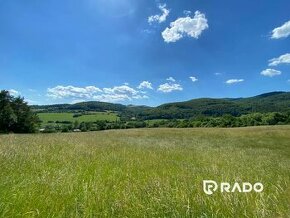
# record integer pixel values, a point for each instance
(115, 94)
(283, 59)
(170, 87)
(271, 72)
(14, 92)
(282, 31)
(72, 91)
(233, 81)
(124, 89)
(159, 18)
(217, 74)
(140, 97)
(145, 85)
(187, 13)
(193, 78)
(185, 26)
(171, 79)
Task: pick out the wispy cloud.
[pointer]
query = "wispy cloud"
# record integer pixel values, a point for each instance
(283, 59)
(187, 13)
(233, 81)
(193, 78)
(282, 31)
(159, 18)
(271, 72)
(171, 79)
(185, 26)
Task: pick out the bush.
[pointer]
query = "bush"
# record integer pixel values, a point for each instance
(49, 129)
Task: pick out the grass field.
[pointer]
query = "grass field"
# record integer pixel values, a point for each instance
(94, 116)
(145, 173)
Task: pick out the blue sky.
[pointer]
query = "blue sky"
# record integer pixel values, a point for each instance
(143, 52)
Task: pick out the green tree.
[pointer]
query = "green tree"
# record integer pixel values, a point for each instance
(15, 115)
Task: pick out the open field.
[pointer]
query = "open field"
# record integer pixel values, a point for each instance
(145, 173)
(94, 116)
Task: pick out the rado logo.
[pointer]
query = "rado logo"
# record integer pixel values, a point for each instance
(210, 186)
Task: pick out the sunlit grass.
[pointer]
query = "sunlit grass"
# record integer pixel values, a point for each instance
(92, 117)
(148, 172)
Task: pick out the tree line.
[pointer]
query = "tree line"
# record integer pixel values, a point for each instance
(225, 121)
(16, 116)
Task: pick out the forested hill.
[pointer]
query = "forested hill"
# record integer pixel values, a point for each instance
(82, 106)
(268, 102)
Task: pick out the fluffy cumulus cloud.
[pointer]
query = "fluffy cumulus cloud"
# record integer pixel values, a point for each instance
(283, 59)
(119, 93)
(14, 92)
(282, 31)
(185, 26)
(233, 81)
(72, 91)
(124, 89)
(145, 85)
(159, 18)
(271, 72)
(115, 94)
(170, 87)
(193, 78)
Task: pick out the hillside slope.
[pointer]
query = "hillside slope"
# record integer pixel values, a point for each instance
(268, 102)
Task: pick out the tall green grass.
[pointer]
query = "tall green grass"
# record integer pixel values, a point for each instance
(144, 173)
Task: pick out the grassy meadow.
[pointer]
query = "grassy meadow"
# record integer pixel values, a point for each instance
(145, 173)
(92, 117)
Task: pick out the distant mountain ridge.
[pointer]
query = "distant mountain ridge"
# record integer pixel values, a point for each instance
(267, 102)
